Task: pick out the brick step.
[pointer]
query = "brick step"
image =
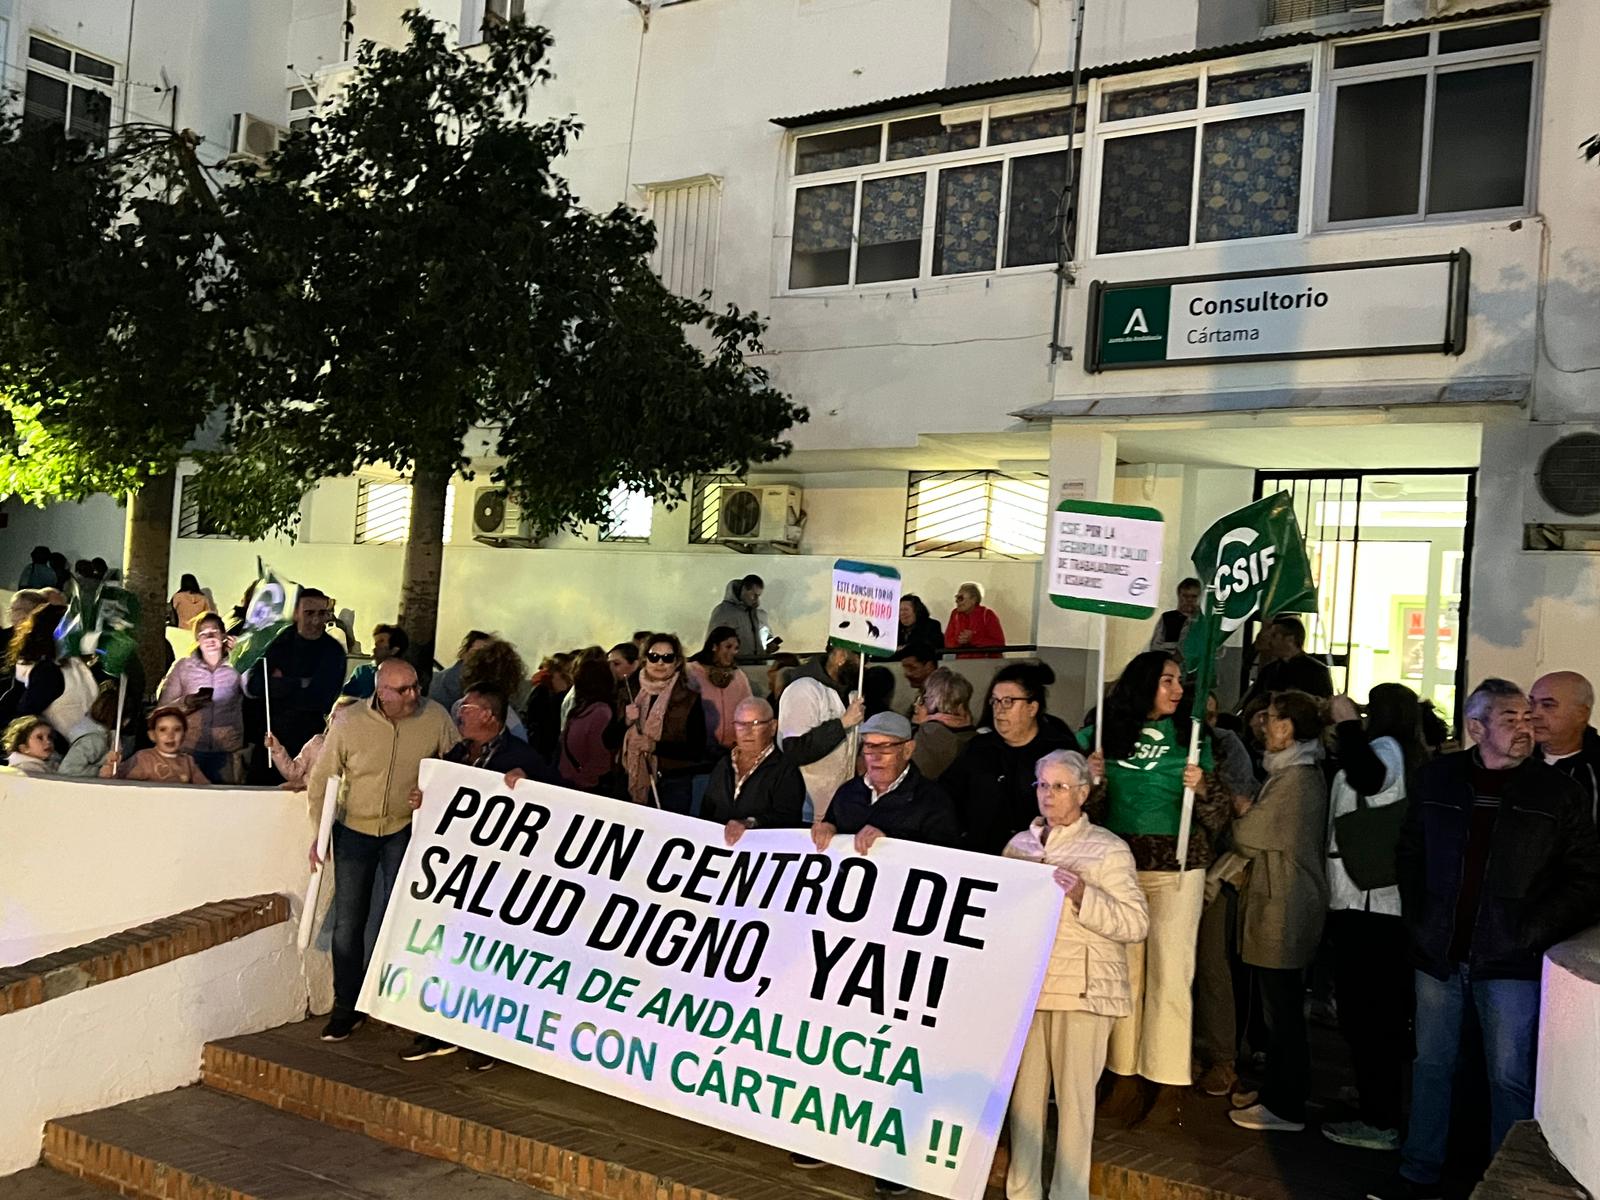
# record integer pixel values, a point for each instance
(200, 1144)
(520, 1125)
(41, 1183)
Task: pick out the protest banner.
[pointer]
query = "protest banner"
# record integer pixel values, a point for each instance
(1106, 559)
(813, 1001)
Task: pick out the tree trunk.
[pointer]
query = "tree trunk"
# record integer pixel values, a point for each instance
(419, 583)
(146, 560)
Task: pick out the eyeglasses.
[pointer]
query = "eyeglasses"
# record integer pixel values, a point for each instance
(403, 688)
(1004, 703)
(668, 657)
(879, 748)
(1058, 789)
(753, 724)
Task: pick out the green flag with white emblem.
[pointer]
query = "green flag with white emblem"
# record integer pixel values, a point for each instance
(268, 615)
(1251, 563)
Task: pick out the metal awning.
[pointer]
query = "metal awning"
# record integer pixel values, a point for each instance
(1019, 85)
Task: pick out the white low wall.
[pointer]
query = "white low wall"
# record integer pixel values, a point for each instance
(82, 859)
(140, 1034)
(1567, 1105)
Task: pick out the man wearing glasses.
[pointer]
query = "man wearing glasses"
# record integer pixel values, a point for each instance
(756, 786)
(305, 669)
(378, 749)
(891, 798)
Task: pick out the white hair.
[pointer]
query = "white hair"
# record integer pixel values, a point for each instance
(1070, 759)
(1481, 703)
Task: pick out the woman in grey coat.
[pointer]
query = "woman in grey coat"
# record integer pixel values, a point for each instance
(1283, 901)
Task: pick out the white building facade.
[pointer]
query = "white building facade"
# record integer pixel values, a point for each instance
(883, 179)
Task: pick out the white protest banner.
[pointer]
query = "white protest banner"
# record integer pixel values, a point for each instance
(869, 1010)
(865, 613)
(1106, 558)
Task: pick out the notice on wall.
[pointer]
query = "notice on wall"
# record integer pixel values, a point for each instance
(1106, 558)
(806, 1000)
(1396, 306)
(865, 612)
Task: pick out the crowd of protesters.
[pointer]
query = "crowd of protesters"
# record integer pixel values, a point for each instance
(1430, 883)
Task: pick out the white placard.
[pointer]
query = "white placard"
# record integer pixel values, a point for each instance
(1106, 558)
(864, 612)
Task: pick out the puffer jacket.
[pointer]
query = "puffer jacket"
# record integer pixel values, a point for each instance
(1088, 970)
(215, 726)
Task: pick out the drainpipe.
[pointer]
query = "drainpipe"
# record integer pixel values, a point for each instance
(1067, 208)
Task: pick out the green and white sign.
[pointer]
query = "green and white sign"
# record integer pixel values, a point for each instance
(1398, 306)
(1106, 558)
(865, 612)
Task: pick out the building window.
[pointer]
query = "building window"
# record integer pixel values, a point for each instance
(976, 514)
(631, 513)
(1212, 157)
(1433, 124)
(999, 204)
(687, 215)
(705, 508)
(194, 521)
(383, 511)
(302, 108)
(68, 90)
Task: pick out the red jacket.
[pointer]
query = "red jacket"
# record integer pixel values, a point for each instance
(983, 623)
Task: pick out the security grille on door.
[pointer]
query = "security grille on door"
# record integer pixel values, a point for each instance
(705, 507)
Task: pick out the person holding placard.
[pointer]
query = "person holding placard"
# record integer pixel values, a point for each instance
(1085, 986)
(1142, 773)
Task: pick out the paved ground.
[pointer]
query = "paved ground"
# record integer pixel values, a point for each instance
(271, 1155)
(1206, 1149)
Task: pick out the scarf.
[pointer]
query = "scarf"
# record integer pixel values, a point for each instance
(1298, 754)
(639, 744)
(720, 677)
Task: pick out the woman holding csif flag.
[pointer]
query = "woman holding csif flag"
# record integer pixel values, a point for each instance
(1141, 775)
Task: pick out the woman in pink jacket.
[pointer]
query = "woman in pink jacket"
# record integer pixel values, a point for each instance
(1085, 985)
(207, 689)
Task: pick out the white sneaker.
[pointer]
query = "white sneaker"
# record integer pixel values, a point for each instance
(1263, 1119)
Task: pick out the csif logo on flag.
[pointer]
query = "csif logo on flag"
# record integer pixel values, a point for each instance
(1245, 560)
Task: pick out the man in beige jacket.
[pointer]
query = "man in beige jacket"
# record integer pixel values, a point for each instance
(377, 748)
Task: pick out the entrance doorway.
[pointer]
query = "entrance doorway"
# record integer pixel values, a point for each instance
(1391, 555)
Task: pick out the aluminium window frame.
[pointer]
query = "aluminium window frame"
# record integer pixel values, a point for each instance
(1430, 67)
(1101, 132)
(71, 77)
(928, 165)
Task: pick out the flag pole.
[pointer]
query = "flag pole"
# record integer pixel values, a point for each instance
(122, 696)
(266, 692)
(1100, 700)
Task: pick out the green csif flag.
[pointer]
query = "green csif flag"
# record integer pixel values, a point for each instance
(267, 616)
(102, 619)
(1251, 563)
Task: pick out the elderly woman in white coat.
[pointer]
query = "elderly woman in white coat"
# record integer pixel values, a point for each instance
(1085, 985)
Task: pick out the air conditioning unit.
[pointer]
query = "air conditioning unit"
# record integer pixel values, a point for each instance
(254, 138)
(497, 520)
(1561, 506)
(760, 514)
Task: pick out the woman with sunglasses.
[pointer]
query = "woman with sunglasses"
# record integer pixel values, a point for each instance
(992, 781)
(209, 692)
(1141, 773)
(665, 743)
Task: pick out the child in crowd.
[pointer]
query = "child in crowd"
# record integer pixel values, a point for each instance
(167, 762)
(29, 747)
(297, 770)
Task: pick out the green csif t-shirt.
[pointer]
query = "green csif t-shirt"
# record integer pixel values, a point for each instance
(1144, 792)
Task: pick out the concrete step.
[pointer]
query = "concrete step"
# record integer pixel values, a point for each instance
(516, 1124)
(200, 1144)
(41, 1183)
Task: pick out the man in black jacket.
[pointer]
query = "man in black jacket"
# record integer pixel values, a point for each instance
(1498, 861)
(1563, 702)
(892, 798)
(757, 786)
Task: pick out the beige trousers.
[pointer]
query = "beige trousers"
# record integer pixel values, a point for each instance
(1069, 1049)
(1154, 1040)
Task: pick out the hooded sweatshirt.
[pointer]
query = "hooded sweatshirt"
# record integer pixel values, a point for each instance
(749, 623)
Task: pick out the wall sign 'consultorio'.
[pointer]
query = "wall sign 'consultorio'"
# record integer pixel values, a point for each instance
(1387, 306)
